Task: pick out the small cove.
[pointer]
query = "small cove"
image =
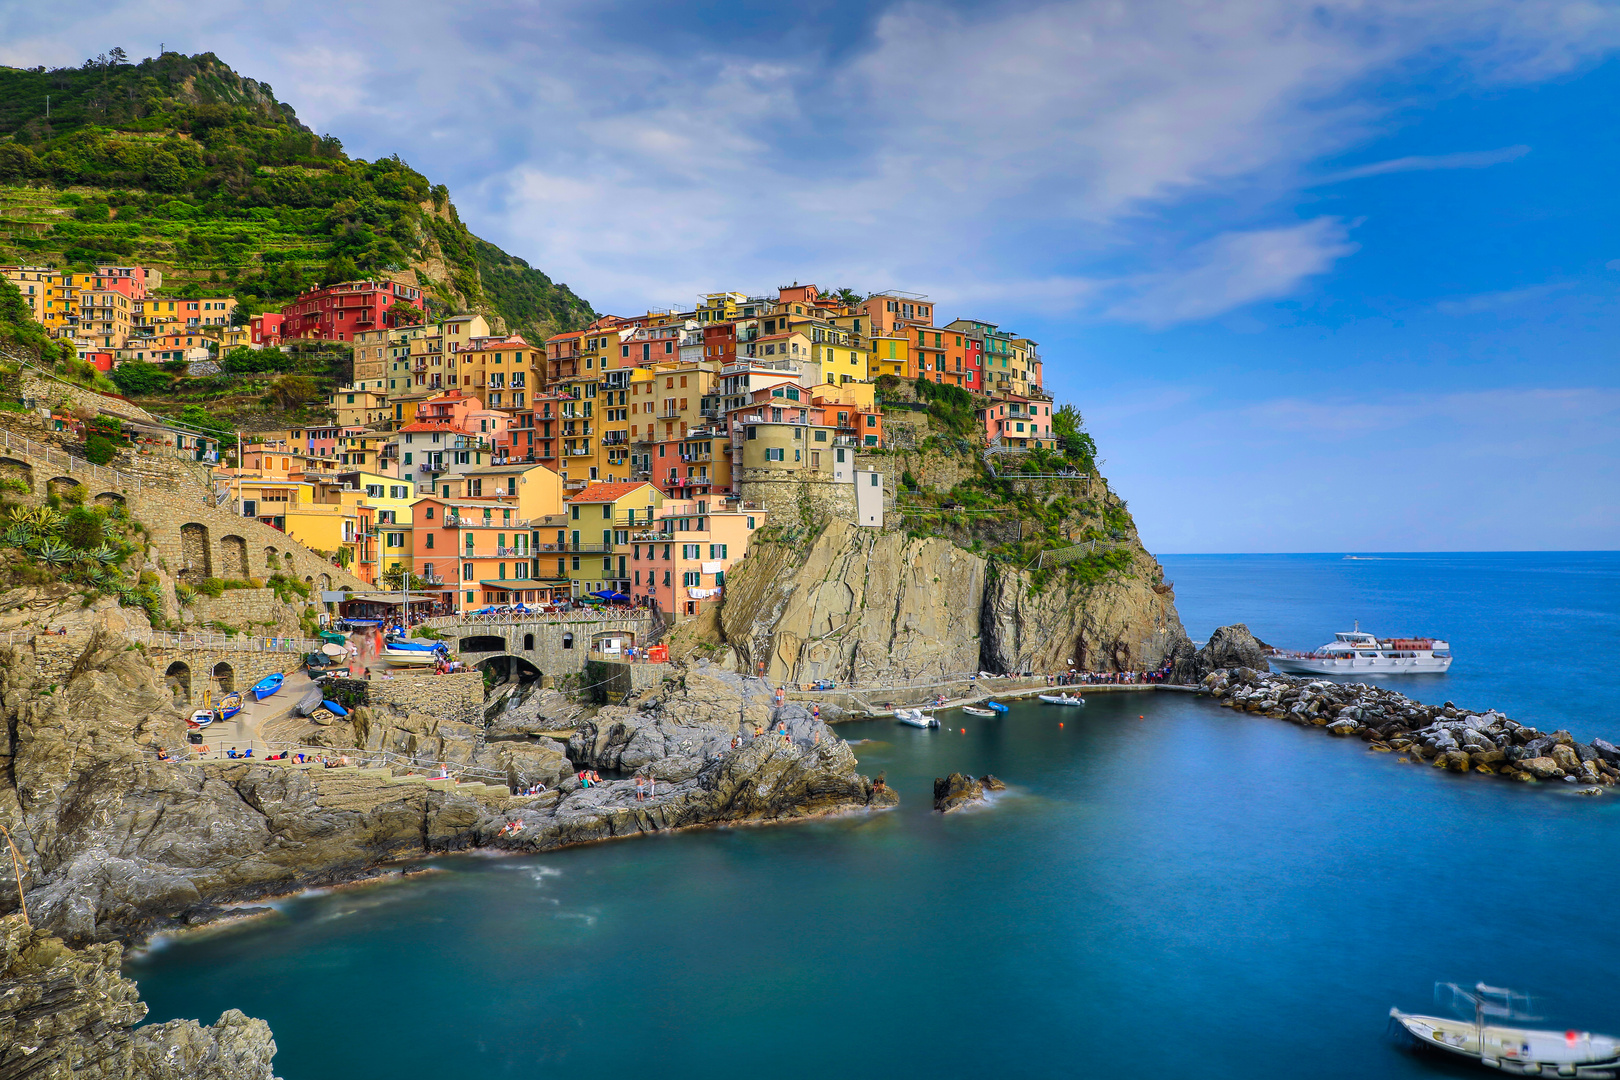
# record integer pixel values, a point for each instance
(1191, 890)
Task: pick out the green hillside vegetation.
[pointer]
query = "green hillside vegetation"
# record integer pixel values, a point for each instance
(181, 163)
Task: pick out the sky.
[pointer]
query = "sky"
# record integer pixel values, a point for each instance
(1331, 276)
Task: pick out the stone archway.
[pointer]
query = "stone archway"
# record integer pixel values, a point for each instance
(110, 499)
(233, 557)
(12, 469)
(224, 677)
(61, 486)
(178, 679)
(270, 559)
(528, 643)
(326, 582)
(196, 563)
(509, 668)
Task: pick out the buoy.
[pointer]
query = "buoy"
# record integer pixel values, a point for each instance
(1060, 723)
(964, 731)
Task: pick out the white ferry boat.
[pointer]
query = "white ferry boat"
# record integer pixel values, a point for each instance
(1354, 652)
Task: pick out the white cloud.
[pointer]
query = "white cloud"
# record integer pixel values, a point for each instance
(1476, 159)
(1130, 161)
(1493, 301)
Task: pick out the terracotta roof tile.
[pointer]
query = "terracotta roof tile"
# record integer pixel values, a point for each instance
(608, 492)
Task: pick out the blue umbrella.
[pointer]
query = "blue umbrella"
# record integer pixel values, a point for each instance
(605, 594)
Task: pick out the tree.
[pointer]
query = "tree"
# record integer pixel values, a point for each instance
(117, 55)
(164, 171)
(394, 578)
(245, 361)
(1076, 443)
(137, 378)
(405, 314)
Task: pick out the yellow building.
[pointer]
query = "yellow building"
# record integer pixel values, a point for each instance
(600, 522)
(890, 354)
(503, 372)
(362, 449)
(537, 489)
(104, 317)
(355, 407)
(38, 285)
(390, 500)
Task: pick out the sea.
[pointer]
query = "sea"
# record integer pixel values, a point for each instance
(1166, 887)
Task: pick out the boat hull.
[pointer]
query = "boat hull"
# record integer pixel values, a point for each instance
(410, 659)
(1517, 1051)
(971, 711)
(1381, 665)
(1055, 699)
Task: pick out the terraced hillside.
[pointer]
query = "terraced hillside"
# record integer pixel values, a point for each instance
(181, 163)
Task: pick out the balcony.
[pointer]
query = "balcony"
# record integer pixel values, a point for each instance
(456, 521)
(433, 467)
(511, 552)
(575, 485)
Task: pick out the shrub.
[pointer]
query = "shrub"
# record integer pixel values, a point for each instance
(83, 529)
(99, 449)
(213, 587)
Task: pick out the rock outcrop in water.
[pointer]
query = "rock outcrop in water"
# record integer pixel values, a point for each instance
(956, 791)
(1231, 647)
(1442, 735)
(860, 606)
(67, 1014)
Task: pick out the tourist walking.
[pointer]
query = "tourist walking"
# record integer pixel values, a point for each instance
(640, 785)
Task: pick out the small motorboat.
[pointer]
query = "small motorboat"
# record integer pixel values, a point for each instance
(995, 706)
(310, 701)
(334, 708)
(201, 718)
(266, 686)
(1061, 699)
(974, 710)
(230, 704)
(409, 653)
(1490, 1038)
(915, 718)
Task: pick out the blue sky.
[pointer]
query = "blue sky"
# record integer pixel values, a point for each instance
(1322, 277)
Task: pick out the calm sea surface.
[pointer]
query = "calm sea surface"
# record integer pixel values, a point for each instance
(1168, 888)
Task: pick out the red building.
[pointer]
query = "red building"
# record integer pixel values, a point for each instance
(338, 312)
(266, 328)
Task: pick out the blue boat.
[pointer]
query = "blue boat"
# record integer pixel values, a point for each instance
(996, 705)
(229, 705)
(335, 708)
(267, 686)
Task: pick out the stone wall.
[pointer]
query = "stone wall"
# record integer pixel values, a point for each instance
(458, 697)
(45, 390)
(936, 472)
(793, 497)
(190, 671)
(241, 608)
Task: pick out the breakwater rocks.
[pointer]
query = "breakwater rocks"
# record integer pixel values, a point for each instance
(1442, 735)
(68, 1013)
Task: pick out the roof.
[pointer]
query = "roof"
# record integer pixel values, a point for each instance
(437, 425)
(597, 493)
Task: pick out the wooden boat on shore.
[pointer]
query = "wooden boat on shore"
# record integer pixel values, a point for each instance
(229, 705)
(1491, 1038)
(1061, 699)
(915, 718)
(974, 710)
(268, 685)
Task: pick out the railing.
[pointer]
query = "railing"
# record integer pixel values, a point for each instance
(458, 522)
(509, 552)
(164, 639)
(68, 463)
(450, 622)
(581, 549)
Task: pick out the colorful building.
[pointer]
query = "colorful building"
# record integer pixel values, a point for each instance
(338, 312)
(682, 563)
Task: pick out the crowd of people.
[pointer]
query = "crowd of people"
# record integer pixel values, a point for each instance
(1109, 678)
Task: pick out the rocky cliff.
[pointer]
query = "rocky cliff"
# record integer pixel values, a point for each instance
(859, 606)
(115, 843)
(67, 1014)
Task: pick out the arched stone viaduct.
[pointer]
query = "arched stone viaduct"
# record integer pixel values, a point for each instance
(555, 645)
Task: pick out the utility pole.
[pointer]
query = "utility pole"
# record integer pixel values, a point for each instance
(47, 106)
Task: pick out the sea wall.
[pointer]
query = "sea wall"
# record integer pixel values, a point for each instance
(1444, 736)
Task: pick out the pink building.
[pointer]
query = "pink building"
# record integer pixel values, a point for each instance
(338, 312)
(682, 563)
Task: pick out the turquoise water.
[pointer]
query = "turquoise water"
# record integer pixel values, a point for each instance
(1167, 887)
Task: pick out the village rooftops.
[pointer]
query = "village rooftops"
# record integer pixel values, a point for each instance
(601, 493)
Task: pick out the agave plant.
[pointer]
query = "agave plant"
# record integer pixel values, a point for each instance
(22, 515)
(54, 553)
(17, 536)
(49, 520)
(104, 555)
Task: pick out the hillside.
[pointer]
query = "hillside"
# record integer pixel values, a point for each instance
(181, 163)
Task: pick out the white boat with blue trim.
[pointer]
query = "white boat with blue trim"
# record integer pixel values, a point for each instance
(1355, 652)
(1491, 1038)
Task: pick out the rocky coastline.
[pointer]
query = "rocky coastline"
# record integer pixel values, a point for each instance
(1443, 736)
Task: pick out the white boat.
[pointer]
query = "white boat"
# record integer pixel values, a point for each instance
(1490, 1038)
(1354, 652)
(974, 710)
(414, 655)
(915, 718)
(1061, 699)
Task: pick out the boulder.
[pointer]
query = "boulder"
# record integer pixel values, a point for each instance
(992, 783)
(1566, 757)
(956, 791)
(1231, 647)
(1542, 768)
(1607, 750)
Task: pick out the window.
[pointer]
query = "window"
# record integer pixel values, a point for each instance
(717, 551)
(568, 641)
(691, 578)
(874, 479)
(821, 436)
(691, 551)
(773, 453)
